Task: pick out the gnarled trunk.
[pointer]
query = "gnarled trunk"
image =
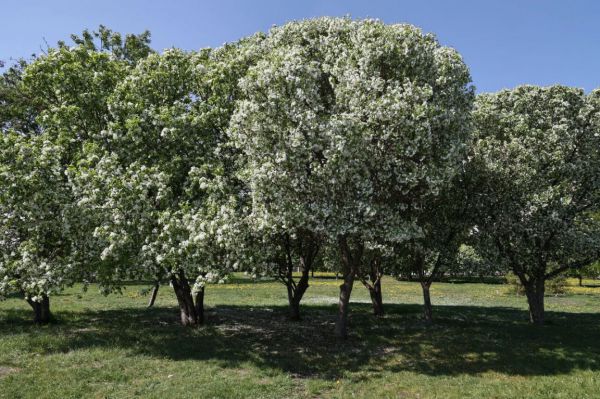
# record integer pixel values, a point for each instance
(341, 325)
(307, 250)
(534, 289)
(295, 294)
(374, 286)
(350, 261)
(153, 294)
(427, 308)
(192, 314)
(376, 298)
(41, 310)
(200, 305)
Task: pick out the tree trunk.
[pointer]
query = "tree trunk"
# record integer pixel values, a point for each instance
(427, 308)
(200, 305)
(374, 285)
(535, 297)
(41, 310)
(307, 250)
(376, 298)
(294, 310)
(375, 290)
(580, 277)
(296, 293)
(191, 313)
(341, 326)
(153, 295)
(350, 262)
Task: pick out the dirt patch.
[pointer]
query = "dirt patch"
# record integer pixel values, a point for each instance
(4, 371)
(85, 330)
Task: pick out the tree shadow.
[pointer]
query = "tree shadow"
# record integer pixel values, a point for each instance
(463, 339)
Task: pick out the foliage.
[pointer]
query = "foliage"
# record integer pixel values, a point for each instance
(17, 113)
(335, 144)
(46, 241)
(557, 285)
(536, 151)
(37, 218)
(318, 131)
(554, 286)
(344, 125)
(469, 263)
(514, 285)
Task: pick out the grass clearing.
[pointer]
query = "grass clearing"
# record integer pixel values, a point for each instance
(481, 345)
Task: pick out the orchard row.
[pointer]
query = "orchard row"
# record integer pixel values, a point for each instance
(335, 143)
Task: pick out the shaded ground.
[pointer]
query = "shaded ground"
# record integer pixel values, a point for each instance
(114, 347)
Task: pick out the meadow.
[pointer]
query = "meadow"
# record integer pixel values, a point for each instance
(480, 346)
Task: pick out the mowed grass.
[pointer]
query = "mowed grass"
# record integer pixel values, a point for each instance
(480, 346)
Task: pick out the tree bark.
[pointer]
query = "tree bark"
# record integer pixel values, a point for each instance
(350, 262)
(307, 250)
(580, 277)
(427, 308)
(192, 314)
(153, 295)
(41, 310)
(341, 325)
(199, 305)
(377, 298)
(534, 289)
(374, 286)
(295, 294)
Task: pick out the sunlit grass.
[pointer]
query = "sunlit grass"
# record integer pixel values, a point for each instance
(481, 345)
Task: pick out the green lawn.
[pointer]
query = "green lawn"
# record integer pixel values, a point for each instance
(481, 346)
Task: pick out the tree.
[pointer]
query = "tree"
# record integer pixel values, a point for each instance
(56, 106)
(161, 181)
(35, 238)
(269, 251)
(537, 153)
(132, 49)
(591, 271)
(444, 221)
(345, 125)
(17, 110)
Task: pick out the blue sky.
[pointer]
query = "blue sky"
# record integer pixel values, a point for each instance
(505, 42)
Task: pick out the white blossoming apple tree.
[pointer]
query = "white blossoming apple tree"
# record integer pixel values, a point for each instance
(35, 248)
(44, 243)
(445, 221)
(160, 178)
(345, 126)
(536, 149)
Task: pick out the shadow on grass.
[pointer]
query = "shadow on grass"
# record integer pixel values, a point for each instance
(464, 339)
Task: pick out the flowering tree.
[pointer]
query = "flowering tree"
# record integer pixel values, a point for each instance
(35, 200)
(62, 103)
(444, 221)
(536, 150)
(345, 126)
(160, 178)
(17, 113)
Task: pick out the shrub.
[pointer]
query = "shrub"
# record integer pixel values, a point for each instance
(514, 285)
(554, 286)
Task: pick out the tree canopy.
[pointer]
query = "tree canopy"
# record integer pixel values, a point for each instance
(348, 145)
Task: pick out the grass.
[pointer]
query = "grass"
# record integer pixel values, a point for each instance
(481, 345)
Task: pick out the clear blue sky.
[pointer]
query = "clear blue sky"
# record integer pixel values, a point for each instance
(505, 42)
